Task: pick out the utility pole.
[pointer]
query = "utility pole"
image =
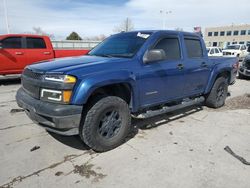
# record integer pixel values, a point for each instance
(6, 16)
(126, 24)
(164, 15)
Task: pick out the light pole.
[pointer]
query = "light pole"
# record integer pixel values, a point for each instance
(164, 15)
(6, 16)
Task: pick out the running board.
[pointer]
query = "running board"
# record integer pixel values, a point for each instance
(167, 109)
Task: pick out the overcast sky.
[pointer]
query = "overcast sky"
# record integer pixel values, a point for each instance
(92, 17)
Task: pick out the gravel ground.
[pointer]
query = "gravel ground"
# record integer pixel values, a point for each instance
(195, 147)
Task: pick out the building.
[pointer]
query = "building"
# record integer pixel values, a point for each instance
(226, 35)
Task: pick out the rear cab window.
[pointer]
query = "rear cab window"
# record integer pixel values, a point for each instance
(193, 47)
(35, 43)
(12, 43)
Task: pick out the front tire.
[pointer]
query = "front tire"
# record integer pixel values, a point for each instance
(106, 124)
(218, 94)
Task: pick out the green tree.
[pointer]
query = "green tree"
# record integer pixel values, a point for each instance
(73, 36)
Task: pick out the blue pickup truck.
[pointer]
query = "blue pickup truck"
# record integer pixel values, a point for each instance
(130, 73)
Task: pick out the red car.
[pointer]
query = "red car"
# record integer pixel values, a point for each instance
(20, 50)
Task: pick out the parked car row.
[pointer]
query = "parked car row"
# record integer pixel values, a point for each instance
(234, 50)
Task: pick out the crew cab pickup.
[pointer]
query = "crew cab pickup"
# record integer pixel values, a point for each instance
(235, 50)
(19, 50)
(142, 73)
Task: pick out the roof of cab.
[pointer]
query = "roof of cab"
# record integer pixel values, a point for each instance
(21, 35)
(166, 31)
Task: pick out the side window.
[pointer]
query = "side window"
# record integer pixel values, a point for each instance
(212, 51)
(193, 47)
(216, 50)
(243, 47)
(171, 47)
(37, 43)
(12, 43)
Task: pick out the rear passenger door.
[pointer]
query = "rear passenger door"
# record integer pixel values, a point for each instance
(37, 50)
(197, 66)
(161, 81)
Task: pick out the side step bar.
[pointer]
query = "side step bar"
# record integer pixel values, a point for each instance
(167, 109)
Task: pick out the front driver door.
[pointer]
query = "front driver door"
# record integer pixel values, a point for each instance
(12, 55)
(163, 80)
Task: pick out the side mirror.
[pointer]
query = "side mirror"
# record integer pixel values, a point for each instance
(154, 55)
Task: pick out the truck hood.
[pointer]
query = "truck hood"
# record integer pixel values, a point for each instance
(70, 64)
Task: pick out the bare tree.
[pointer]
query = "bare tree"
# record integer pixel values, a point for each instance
(126, 25)
(40, 31)
(179, 29)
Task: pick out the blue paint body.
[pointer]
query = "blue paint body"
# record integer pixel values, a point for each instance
(169, 82)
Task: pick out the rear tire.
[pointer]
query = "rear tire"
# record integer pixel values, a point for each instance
(106, 124)
(218, 94)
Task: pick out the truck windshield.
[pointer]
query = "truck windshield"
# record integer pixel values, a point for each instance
(233, 47)
(121, 45)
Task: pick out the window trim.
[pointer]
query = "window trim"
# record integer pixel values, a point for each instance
(193, 38)
(22, 42)
(169, 36)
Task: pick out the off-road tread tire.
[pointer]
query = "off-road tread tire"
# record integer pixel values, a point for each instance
(211, 98)
(93, 112)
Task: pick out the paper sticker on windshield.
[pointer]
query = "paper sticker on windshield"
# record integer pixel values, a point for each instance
(145, 36)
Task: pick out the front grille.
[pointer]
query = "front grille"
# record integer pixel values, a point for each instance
(247, 64)
(31, 74)
(226, 53)
(29, 80)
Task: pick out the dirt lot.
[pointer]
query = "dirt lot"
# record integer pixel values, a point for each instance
(184, 149)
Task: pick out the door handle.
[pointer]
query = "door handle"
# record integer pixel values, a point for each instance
(19, 53)
(180, 66)
(46, 53)
(203, 64)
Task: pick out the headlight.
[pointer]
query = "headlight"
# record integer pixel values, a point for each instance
(61, 78)
(51, 95)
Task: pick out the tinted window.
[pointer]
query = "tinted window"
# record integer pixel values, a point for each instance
(216, 33)
(171, 48)
(229, 33)
(210, 34)
(222, 33)
(216, 51)
(193, 47)
(212, 51)
(35, 43)
(243, 32)
(12, 42)
(236, 32)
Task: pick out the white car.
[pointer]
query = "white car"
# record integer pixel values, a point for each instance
(214, 51)
(236, 50)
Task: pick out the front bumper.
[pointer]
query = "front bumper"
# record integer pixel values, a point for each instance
(57, 118)
(244, 71)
